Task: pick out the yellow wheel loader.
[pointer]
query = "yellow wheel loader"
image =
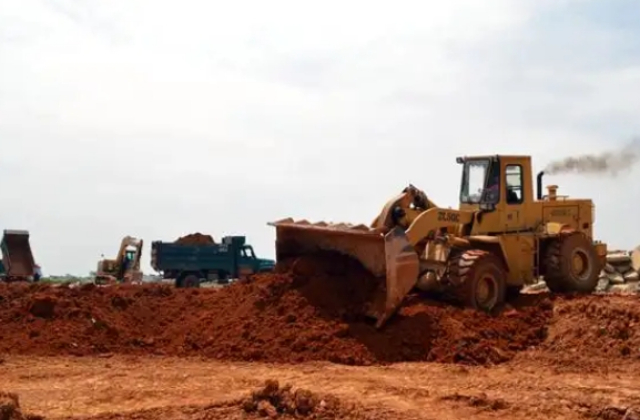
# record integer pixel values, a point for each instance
(501, 238)
(125, 267)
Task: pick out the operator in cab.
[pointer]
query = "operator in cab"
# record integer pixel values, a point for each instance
(492, 192)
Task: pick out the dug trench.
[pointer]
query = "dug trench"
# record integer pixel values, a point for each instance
(302, 313)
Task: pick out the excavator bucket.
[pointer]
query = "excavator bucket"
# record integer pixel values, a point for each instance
(388, 257)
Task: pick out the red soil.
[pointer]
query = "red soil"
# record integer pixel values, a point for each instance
(195, 239)
(292, 316)
(588, 330)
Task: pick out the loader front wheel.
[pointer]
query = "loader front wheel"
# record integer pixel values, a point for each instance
(571, 264)
(478, 279)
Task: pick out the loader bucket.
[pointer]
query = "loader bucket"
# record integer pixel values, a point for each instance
(390, 258)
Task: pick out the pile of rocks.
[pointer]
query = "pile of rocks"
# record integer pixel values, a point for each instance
(622, 272)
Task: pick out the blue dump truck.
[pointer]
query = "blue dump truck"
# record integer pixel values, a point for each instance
(192, 264)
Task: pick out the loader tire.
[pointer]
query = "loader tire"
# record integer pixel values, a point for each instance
(571, 264)
(478, 279)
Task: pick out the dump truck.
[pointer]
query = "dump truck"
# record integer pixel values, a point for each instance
(503, 235)
(18, 263)
(125, 267)
(191, 264)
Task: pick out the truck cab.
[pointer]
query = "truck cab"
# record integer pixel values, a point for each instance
(249, 263)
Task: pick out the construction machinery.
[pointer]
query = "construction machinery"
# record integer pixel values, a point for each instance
(190, 264)
(17, 262)
(125, 268)
(501, 238)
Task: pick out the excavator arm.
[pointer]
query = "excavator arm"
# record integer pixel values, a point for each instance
(129, 241)
(114, 269)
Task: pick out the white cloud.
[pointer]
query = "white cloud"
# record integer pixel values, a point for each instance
(155, 120)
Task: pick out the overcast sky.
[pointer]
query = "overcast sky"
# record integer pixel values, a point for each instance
(157, 118)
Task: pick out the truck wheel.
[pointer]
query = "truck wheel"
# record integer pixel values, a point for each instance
(478, 279)
(191, 281)
(572, 264)
(223, 278)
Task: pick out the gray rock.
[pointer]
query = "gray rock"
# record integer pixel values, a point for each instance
(619, 258)
(538, 287)
(603, 284)
(616, 278)
(624, 288)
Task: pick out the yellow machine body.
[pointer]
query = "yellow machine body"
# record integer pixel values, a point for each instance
(502, 225)
(114, 270)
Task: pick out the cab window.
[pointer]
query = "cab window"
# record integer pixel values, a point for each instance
(247, 252)
(474, 179)
(513, 183)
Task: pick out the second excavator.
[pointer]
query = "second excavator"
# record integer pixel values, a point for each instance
(503, 236)
(125, 268)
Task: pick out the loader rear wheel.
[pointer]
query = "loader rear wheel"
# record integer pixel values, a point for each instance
(478, 279)
(571, 264)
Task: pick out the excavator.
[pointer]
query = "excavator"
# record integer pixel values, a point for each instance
(125, 268)
(502, 237)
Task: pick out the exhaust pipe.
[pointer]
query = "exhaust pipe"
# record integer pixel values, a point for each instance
(539, 179)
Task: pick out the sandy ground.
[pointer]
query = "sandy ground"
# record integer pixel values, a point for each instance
(171, 388)
(156, 352)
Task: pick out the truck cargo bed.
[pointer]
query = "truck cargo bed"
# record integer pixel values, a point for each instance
(166, 256)
(17, 257)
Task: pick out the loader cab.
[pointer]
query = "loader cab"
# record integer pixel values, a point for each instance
(500, 186)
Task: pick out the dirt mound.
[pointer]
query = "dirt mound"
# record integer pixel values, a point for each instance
(274, 401)
(289, 316)
(195, 239)
(10, 408)
(595, 327)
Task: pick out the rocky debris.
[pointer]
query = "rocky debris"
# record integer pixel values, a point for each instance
(10, 408)
(480, 401)
(273, 401)
(195, 239)
(622, 272)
